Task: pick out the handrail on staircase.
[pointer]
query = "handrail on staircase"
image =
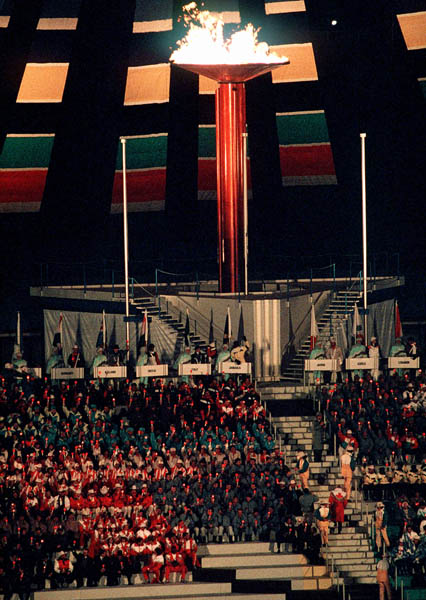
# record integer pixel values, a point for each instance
(293, 337)
(134, 283)
(201, 324)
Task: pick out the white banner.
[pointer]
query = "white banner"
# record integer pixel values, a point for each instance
(111, 372)
(325, 364)
(152, 371)
(403, 362)
(362, 363)
(197, 369)
(232, 367)
(64, 373)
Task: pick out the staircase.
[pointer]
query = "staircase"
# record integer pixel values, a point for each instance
(348, 553)
(254, 568)
(343, 302)
(170, 317)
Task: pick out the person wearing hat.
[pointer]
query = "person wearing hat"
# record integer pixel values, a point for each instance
(198, 357)
(18, 360)
(100, 359)
(370, 482)
(116, 357)
(76, 359)
(223, 356)
(358, 350)
(374, 352)
(347, 467)
(322, 519)
(334, 352)
(303, 469)
(381, 521)
(338, 502)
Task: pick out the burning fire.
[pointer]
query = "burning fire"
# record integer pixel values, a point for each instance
(205, 42)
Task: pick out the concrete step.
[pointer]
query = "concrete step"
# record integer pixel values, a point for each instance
(342, 554)
(366, 579)
(279, 572)
(161, 591)
(247, 548)
(368, 563)
(253, 560)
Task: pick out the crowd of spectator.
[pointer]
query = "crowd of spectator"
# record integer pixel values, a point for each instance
(385, 418)
(381, 426)
(101, 482)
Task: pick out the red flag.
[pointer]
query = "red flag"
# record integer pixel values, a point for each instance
(398, 324)
(314, 327)
(143, 335)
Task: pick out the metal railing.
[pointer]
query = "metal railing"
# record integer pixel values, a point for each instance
(109, 271)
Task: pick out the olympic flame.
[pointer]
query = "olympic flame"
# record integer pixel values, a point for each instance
(205, 42)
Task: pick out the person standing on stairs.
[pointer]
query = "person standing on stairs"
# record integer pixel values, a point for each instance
(347, 467)
(381, 521)
(318, 433)
(322, 518)
(338, 502)
(383, 579)
(302, 467)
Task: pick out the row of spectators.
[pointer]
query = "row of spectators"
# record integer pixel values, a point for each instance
(99, 482)
(400, 532)
(126, 478)
(387, 418)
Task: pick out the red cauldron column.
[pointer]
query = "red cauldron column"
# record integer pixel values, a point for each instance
(230, 126)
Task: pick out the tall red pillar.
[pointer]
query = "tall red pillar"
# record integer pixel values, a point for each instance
(230, 126)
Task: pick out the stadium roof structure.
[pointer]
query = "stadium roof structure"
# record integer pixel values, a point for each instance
(75, 75)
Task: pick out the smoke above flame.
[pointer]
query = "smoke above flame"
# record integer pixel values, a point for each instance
(205, 42)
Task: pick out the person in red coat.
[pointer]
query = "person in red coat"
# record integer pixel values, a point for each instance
(338, 502)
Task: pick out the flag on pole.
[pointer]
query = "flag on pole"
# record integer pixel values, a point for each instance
(227, 332)
(291, 348)
(143, 332)
(343, 337)
(101, 340)
(314, 327)
(57, 338)
(398, 324)
(18, 330)
(356, 324)
(187, 328)
(211, 332)
(241, 336)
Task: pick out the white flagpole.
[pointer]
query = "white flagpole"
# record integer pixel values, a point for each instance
(364, 233)
(104, 330)
(126, 243)
(146, 328)
(245, 213)
(18, 329)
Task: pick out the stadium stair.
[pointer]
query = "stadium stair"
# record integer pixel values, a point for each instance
(342, 303)
(253, 567)
(176, 322)
(349, 551)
